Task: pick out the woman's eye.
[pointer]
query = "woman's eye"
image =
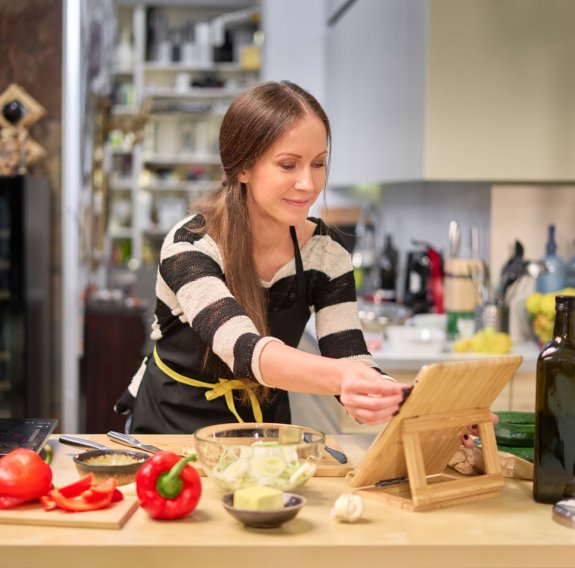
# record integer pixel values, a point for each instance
(319, 165)
(287, 165)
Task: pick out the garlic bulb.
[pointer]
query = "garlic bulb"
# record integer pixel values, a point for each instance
(348, 508)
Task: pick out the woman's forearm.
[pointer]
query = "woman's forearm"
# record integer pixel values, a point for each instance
(290, 369)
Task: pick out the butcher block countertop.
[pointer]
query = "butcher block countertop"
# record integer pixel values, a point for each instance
(502, 531)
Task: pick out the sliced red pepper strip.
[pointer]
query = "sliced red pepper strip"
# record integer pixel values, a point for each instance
(101, 490)
(76, 505)
(48, 503)
(78, 487)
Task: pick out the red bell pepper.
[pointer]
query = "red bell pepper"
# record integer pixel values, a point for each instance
(24, 476)
(168, 486)
(83, 495)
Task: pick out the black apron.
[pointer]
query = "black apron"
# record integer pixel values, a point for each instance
(166, 406)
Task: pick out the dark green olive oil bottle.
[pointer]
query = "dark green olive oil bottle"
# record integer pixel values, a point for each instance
(554, 467)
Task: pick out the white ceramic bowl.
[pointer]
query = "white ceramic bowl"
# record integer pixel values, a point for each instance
(437, 321)
(415, 341)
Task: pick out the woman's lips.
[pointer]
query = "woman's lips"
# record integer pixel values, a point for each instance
(298, 202)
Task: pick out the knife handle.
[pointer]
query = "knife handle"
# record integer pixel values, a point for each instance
(81, 442)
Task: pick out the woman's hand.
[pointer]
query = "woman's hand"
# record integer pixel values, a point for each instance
(370, 398)
(468, 440)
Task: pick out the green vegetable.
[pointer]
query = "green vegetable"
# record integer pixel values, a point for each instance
(516, 435)
(525, 453)
(513, 417)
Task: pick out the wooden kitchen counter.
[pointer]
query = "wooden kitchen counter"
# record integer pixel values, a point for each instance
(508, 530)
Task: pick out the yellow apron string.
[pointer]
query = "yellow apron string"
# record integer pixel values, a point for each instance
(223, 388)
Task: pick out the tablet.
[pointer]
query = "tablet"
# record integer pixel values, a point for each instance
(439, 389)
(31, 433)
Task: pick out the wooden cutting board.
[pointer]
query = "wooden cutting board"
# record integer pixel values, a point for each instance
(113, 518)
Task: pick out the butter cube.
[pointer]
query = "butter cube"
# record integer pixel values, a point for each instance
(258, 498)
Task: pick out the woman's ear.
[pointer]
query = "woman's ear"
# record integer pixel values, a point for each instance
(244, 176)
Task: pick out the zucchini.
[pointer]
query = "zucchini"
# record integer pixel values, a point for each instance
(524, 453)
(513, 417)
(516, 435)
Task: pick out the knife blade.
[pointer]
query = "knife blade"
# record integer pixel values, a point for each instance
(81, 442)
(132, 442)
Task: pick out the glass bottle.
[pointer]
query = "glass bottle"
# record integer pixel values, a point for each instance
(554, 467)
(554, 278)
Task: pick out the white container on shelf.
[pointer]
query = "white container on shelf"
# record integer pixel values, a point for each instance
(414, 341)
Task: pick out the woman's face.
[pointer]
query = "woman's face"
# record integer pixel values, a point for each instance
(288, 178)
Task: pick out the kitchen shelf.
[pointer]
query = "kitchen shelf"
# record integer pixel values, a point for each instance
(183, 186)
(179, 67)
(195, 93)
(200, 159)
(176, 160)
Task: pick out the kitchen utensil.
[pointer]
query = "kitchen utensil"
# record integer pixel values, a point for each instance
(81, 442)
(265, 519)
(122, 465)
(132, 442)
(474, 241)
(454, 239)
(376, 316)
(339, 456)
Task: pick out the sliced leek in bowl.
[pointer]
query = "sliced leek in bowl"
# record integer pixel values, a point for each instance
(235, 456)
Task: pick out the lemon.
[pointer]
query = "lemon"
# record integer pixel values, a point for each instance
(461, 345)
(490, 341)
(501, 343)
(533, 303)
(548, 304)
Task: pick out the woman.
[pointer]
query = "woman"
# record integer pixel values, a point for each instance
(239, 278)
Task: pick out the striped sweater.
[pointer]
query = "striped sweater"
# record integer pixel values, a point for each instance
(195, 306)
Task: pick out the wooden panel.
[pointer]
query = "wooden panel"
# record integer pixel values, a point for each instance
(440, 388)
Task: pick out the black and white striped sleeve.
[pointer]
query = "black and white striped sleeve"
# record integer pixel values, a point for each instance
(191, 283)
(338, 327)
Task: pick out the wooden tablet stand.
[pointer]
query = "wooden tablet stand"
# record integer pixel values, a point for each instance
(422, 491)
(406, 464)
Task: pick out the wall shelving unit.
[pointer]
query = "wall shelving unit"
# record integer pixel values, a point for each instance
(187, 61)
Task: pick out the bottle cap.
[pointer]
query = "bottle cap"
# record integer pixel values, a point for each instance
(564, 512)
(565, 303)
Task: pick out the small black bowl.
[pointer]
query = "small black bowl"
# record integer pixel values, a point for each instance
(265, 519)
(119, 464)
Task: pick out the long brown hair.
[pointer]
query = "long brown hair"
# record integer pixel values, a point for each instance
(255, 120)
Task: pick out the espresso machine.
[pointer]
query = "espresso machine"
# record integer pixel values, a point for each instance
(423, 284)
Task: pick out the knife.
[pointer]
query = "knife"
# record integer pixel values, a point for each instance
(81, 442)
(128, 440)
(339, 456)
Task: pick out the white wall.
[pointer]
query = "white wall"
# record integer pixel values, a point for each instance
(501, 90)
(294, 46)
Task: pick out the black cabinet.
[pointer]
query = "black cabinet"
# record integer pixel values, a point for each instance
(25, 294)
(114, 340)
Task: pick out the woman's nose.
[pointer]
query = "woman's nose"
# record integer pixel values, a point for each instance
(305, 180)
